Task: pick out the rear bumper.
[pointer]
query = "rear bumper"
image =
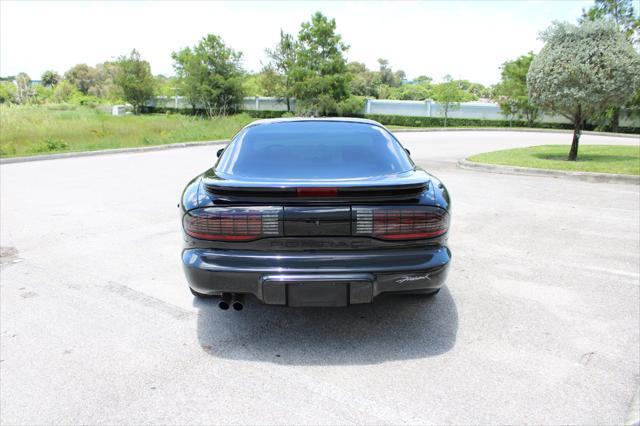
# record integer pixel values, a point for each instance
(316, 278)
(336, 278)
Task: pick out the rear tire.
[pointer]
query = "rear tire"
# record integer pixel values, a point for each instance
(201, 295)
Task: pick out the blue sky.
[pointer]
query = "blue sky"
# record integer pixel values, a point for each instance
(467, 39)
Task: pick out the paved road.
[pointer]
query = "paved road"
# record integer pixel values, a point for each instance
(539, 322)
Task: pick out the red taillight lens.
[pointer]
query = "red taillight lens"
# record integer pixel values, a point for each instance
(317, 192)
(401, 223)
(233, 223)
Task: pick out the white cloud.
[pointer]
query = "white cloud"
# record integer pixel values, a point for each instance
(466, 39)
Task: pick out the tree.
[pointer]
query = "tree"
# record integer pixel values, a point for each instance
(251, 85)
(620, 12)
(320, 78)
(473, 90)
(271, 83)
(50, 78)
(104, 85)
(134, 78)
(283, 59)
(95, 81)
(414, 92)
(407, 92)
(581, 71)
(210, 75)
(449, 95)
(24, 91)
(82, 76)
(165, 86)
(422, 79)
(511, 93)
(388, 76)
(363, 82)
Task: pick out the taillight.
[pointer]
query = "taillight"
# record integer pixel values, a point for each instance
(317, 192)
(233, 223)
(401, 223)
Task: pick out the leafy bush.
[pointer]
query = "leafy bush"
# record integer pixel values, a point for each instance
(51, 145)
(354, 105)
(63, 92)
(5, 152)
(43, 94)
(7, 92)
(78, 98)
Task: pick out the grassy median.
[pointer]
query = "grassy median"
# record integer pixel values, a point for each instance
(591, 158)
(32, 130)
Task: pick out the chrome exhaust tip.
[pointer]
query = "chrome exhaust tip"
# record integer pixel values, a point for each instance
(236, 302)
(224, 301)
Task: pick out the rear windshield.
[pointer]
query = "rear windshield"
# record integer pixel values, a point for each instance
(313, 150)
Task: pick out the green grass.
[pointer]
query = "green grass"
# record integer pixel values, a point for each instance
(32, 130)
(591, 158)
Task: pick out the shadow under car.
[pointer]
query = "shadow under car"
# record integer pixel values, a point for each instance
(394, 327)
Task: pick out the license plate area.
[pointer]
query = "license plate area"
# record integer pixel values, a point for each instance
(317, 221)
(316, 292)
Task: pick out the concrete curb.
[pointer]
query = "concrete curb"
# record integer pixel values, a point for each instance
(109, 151)
(511, 129)
(584, 176)
(633, 418)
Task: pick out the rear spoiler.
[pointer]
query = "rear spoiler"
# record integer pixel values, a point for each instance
(292, 194)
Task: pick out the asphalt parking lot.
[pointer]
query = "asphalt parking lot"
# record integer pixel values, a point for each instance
(539, 322)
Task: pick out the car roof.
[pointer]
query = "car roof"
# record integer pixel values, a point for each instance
(313, 119)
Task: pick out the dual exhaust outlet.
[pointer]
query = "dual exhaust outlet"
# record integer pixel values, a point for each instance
(234, 300)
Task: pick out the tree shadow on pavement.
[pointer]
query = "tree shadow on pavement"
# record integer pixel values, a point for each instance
(394, 327)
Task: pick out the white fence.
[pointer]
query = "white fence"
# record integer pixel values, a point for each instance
(428, 108)
(267, 104)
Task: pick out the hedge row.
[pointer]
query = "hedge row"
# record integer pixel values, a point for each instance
(266, 114)
(199, 111)
(400, 120)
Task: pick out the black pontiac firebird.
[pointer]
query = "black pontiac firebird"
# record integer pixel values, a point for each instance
(314, 212)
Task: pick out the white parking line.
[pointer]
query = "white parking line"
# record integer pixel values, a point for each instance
(614, 272)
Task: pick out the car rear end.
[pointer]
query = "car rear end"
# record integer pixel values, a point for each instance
(322, 236)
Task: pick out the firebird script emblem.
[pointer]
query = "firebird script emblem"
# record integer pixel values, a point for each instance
(408, 278)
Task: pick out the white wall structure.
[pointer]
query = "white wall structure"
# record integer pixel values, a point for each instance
(428, 108)
(121, 109)
(261, 103)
